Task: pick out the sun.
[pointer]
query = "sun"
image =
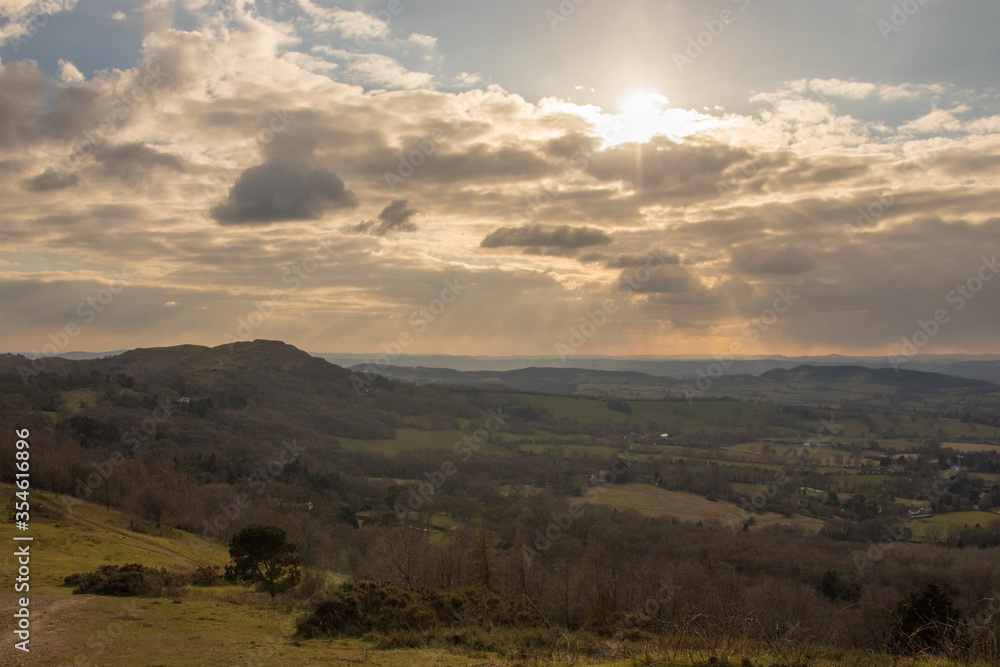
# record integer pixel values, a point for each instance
(648, 115)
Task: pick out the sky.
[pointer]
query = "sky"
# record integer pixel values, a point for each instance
(584, 177)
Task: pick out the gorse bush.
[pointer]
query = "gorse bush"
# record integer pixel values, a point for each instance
(359, 609)
(132, 580)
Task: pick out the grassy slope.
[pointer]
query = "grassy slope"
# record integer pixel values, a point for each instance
(198, 626)
(225, 625)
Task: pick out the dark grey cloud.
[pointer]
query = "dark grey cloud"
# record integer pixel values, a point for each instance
(635, 261)
(50, 179)
(34, 108)
(662, 169)
(283, 191)
(795, 174)
(572, 145)
(21, 102)
(664, 279)
(133, 161)
(535, 236)
(396, 217)
(780, 260)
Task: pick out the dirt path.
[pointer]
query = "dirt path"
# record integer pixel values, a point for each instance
(141, 542)
(46, 644)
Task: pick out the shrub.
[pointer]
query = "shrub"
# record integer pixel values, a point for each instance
(357, 609)
(619, 405)
(208, 575)
(132, 580)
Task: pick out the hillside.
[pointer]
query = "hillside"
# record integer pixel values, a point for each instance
(192, 625)
(473, 491)
(800, 384)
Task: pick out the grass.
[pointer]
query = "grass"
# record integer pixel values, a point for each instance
(944, 522)
(236, 626)
(79, 537)
(684, 506)
(210, 626)
(415, 439)
(586, 411)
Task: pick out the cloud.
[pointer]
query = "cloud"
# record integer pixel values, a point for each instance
(426, 41)
(520, 199)
(540, 236)
(50, 180)
(22, 18)
(350, 24)
(663, 279)
(662, 169)
(132, 162)
(934, 122)
(374, 69)
(396, 217)
(633, 261)
(283, 191)
(68, 73)
(782, 260)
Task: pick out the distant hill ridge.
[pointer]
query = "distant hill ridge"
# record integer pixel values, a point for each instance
(574, 380)
(273, 368)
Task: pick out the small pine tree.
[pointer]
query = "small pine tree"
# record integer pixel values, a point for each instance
(262, 556)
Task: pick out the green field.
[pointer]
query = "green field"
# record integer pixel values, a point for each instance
(942, 523)
(683, 506)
